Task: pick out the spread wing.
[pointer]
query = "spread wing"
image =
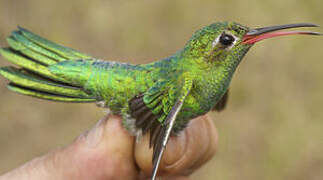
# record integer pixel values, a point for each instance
(156, 111)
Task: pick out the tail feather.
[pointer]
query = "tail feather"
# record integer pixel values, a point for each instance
(23, 79)
(17, 58)
(17, 46)
(45, 95)
(26, 43)
(34, 55)
(66, 52)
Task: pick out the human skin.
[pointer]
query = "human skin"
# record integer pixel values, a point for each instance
(107, 152)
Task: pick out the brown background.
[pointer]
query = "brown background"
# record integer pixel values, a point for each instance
(273, 126)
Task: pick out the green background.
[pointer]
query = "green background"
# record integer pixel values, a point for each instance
(273, 125)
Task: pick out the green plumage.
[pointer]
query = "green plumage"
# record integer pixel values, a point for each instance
(159, 98)
(53, 72)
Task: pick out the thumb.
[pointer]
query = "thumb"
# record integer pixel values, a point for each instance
(184, 153)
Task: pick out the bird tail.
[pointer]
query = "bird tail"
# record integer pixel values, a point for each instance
(33, 55)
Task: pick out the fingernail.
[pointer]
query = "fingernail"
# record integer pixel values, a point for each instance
(95, 135)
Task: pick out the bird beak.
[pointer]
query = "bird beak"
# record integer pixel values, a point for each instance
(258, 34)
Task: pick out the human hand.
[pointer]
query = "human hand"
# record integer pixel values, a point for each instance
(107, 152)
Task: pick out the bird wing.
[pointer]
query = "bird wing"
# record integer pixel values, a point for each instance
(156, 111)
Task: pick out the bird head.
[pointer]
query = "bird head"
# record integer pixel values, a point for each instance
(229, 41)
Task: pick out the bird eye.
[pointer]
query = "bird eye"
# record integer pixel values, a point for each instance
(226, 39)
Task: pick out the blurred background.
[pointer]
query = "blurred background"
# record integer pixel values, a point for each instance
(273, 125)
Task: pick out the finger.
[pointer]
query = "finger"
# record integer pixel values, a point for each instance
(107, 150)
(104, 152)
(184, 153)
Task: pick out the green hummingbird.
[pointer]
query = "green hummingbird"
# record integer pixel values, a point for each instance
(159, 98)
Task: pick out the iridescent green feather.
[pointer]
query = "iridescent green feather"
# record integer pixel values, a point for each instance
(23, 79)
(67, 53)
(35, 54)
(47, 96)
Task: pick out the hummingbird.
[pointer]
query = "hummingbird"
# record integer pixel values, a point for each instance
(158, 98)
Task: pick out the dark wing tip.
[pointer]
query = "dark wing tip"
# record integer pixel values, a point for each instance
(145, 119)
(148, 122)
(163, 135)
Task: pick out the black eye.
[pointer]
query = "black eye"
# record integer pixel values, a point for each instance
(226, 39)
